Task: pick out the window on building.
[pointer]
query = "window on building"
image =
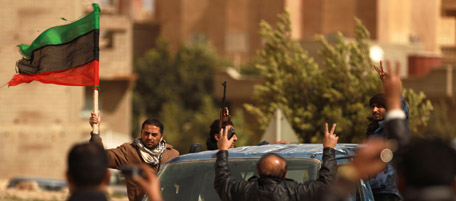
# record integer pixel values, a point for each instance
(236, 42)
(197, 37)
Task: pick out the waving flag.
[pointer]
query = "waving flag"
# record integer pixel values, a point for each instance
(63, 55)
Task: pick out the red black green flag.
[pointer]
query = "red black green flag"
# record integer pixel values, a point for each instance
(63, 55)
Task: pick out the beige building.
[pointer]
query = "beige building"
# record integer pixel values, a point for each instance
(230, 26)
(412, 26)
(419, 34)
(39, 122)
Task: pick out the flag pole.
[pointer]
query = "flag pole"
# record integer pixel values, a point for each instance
(96, 88)
(95, 128)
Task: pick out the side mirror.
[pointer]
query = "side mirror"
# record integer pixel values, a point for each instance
(195, 147)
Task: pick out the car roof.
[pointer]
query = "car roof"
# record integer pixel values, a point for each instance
(288, 151)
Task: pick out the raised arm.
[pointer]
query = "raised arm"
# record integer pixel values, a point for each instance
(95, 119)
(149, 184)
(225, 185)
(116, 156)
(385, 75)
(310, 190)
(396, 119)
(327, 171)
(381, 73)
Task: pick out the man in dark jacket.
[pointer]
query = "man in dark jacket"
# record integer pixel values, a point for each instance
(384, 185)
(426, 167)
(272, 169)
(87, 172)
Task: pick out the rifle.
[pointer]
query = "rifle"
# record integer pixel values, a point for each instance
(225, 116)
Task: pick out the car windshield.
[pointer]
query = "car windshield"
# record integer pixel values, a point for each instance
(194, 180)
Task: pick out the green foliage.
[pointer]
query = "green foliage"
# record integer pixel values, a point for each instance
(177, 88)
(352, 81)
(420, 114)
(244, 131)
(336, 92)
(290, 78)
(441, 121)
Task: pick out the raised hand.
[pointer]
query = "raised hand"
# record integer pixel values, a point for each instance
(94, 119)
(380, 71)
(367, 161)
(223, 143)
(150, 184)
(392, 85)
(331, 138)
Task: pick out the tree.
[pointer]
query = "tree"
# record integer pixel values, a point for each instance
(422, 110)
(440, 123)
(177, 89)
(290, 76)
(336, 92)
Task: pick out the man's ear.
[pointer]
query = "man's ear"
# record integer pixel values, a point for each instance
(216, 136)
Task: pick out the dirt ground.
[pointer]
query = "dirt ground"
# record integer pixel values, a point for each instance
(31, 192)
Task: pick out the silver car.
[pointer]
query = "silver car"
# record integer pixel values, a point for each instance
(190, 177)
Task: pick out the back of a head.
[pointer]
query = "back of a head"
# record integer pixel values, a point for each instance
(428, 162)
(272, 164)
(87, 164)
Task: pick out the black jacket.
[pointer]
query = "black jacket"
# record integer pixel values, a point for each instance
(87, 195)
(272, 188)
(398, 130)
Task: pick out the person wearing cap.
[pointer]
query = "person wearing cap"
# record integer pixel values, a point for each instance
(384, 184)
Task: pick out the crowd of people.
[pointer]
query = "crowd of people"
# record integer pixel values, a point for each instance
(399, 167)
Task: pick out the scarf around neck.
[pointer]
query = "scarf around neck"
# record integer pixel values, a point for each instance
(151, 156)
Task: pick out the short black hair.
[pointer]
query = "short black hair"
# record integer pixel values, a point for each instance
(427, 162)
(154, 122)
(211, 143)
(215, 127)
(87, 164)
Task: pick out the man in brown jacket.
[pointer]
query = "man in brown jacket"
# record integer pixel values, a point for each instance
(150, 148)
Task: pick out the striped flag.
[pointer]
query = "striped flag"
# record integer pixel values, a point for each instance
(63, 55)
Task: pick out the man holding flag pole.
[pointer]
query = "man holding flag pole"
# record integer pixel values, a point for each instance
(69, 55)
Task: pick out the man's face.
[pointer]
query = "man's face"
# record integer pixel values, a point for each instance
(234, 141)
(378, 111)
(217, 137)
(151, 136)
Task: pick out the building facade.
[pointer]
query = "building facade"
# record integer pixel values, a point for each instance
(40, 122)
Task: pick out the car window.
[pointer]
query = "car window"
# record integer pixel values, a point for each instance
(194, 180)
